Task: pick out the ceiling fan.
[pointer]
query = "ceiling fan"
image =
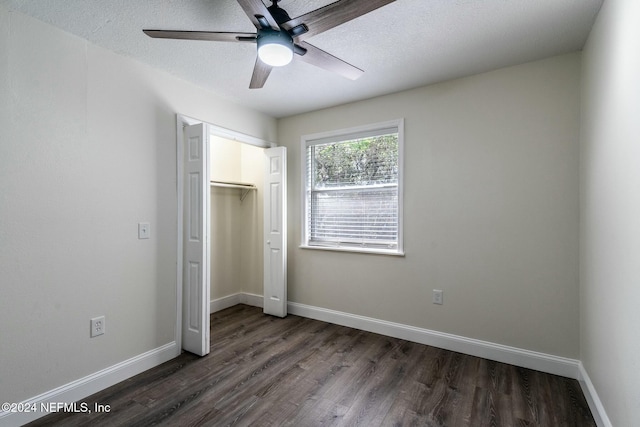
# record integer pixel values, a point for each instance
(279, 36)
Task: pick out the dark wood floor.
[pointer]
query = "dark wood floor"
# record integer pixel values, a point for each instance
(266, 371)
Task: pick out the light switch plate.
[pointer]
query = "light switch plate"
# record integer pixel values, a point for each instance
(144, 230)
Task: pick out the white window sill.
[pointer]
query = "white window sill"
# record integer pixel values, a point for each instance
(353, 249)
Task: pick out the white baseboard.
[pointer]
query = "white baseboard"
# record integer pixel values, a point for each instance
(219, 304)
(515, 356)
(253, 299)
(595, 404)
(84, 387)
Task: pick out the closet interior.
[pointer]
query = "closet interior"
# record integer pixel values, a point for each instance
(237, 176)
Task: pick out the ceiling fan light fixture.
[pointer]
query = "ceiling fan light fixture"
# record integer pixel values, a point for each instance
(275, 48)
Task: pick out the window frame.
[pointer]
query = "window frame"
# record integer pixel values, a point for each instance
(345, 135)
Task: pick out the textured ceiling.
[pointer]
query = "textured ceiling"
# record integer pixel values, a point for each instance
(406, 44)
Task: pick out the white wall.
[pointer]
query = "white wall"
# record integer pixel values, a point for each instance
(610, 210)
(252, 221)
(491, 210)
(87, 150)
(236, 226)
(225, 226)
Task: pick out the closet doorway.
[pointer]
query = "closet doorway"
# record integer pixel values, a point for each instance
(232, 193)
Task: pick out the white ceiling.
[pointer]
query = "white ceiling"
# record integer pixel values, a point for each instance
(406, 44)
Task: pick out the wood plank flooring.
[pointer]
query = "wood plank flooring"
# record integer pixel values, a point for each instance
(266, 371)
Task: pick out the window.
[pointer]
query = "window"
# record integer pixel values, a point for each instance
(353, 189)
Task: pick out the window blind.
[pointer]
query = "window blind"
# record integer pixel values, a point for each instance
(360, 217)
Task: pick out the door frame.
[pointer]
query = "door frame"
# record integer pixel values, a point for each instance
(211, 129)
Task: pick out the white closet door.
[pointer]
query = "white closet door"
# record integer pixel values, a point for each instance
(196, 275)
(275, 232)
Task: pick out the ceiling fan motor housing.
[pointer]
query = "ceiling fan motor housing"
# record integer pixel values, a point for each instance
(279, 14)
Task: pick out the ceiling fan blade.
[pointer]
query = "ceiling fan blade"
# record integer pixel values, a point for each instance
(332, 15)
(322, 59)
(260, 74)
(257, 11)
(202, 35)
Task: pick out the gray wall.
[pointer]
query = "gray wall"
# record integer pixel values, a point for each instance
(610, 211)
(491, 210)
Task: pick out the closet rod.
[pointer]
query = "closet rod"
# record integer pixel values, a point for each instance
(240, 185)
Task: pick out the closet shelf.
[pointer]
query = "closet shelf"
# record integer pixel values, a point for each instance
(240, 185)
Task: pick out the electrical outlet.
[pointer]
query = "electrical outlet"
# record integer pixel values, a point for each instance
(437, 296)
(97, 326)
